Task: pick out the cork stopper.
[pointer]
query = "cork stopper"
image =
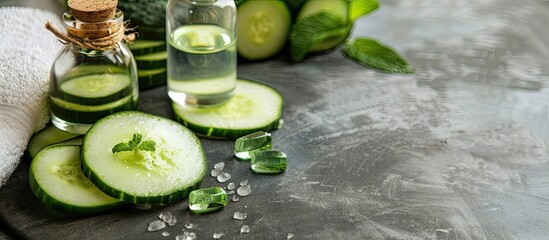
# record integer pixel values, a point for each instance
(93, 10)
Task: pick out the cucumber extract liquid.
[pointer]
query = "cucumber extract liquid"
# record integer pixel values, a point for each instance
(201, 36)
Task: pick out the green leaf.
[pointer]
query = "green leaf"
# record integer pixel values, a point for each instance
(312, 30)
(135, 140)
(371, 53)
(360, 8)
(134, 145)
(121, 147)
(147, 146)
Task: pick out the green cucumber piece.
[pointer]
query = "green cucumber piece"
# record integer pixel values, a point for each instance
(142, 47)
(56, 179)
(151, 61)
(175, 167)
(254, 107)
(96, 89)
(77, 113)
(263, 28)
(47, 136)
(152, 78)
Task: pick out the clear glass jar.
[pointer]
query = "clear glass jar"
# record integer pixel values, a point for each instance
(86, 84)
(201, 36)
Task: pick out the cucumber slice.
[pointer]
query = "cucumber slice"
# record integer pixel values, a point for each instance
(77, 113)
(152, 60)
(263, 28)
(152, 78)
(175, 167)
(96, 89)
(56, 179)
(47, 136)
(142, 47)
(254, 107)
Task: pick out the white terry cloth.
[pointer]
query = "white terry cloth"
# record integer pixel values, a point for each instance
(27, 51)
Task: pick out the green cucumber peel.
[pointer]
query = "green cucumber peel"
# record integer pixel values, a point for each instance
(135, 145)
(315, 29)
(370, 52)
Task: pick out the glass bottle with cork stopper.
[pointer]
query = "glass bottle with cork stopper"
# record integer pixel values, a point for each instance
(94, 74)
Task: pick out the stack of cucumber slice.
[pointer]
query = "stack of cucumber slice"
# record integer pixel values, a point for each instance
(126, 157)
(149, 49)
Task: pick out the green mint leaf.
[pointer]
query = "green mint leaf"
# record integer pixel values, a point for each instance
(134, 145)
(313, 30)
(359, 8)
(135, 140)
(372, 53)
(147, 146)
(121, 147)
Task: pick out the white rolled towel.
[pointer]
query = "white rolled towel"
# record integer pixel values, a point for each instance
(27, 51)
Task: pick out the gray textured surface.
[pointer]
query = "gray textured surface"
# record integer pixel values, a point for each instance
(457, 151)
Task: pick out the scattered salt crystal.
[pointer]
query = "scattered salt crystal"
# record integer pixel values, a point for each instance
(218, 235)
(219, 165)
(244, 183)
(189, 225)
(235, 198)
(216, 172)
(168, 218)
(245, 229)
(230, 192)
(186, 236)
(156, 225)
(240, 216)
(231, 186)
(244, 190)
(165, 234)
(290, 236)
(223, 177)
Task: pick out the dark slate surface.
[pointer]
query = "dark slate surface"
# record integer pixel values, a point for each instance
(456, 151)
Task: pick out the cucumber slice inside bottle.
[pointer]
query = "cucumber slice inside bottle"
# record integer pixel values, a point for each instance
(152, 78)
(254, 107)
(152, 60)
(143, 47)
(56, 179)
(175, 166)
(263, 28)
(47, 136)
(96, 89)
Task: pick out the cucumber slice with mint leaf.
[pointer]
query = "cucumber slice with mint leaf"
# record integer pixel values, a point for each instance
(370, 52)
(142, 158)
(56, 179)
(254, 107)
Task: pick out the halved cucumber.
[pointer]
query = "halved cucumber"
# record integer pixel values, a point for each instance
(254, 107)
(152, 78)
(56, 179)
(175, 167)
(152, 60)
(263, 28)
(47, 136)
(142, 46)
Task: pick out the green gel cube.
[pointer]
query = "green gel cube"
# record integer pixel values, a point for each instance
(207, 200)
(246, 145)
(268, 162)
